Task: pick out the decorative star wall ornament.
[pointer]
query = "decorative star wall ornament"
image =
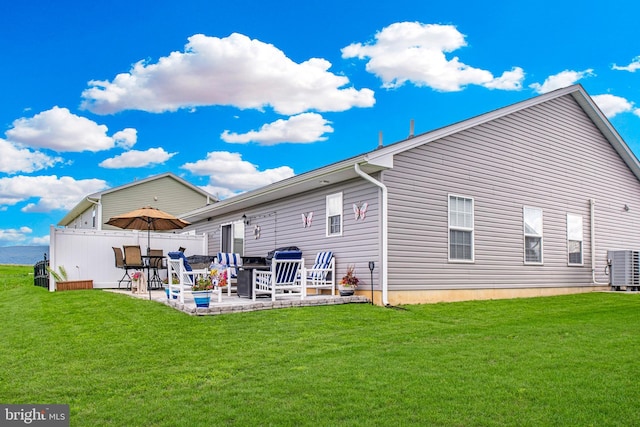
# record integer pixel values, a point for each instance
(360, 210)
(306, 219)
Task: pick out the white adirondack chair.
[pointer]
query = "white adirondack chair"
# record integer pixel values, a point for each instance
(178, 267)
(286, 276)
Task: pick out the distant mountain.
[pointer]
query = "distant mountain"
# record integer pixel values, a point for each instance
(23, 255)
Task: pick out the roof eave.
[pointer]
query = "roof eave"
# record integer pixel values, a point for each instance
(317, 178)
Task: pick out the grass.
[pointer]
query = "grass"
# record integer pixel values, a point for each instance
(118, 361)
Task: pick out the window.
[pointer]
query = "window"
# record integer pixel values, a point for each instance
(532, 219)
(460, 229)
(334, 214)
(574, 239)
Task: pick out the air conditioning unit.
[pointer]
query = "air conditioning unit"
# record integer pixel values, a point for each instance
(625, 269)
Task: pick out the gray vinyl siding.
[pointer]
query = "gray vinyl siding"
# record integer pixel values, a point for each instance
(172, 197)
(281, 225)
(550, 156)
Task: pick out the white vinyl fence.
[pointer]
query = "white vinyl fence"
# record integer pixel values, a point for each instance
(88, 254)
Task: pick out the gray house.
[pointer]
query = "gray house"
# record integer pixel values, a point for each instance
(166, 191)
(525, 200)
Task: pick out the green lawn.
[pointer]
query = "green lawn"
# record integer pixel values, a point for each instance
(119, 361)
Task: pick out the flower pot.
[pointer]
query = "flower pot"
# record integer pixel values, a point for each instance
(175, 292)
(202, 298)
(345, 291)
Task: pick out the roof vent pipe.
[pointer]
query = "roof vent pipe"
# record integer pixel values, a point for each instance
(380, 145)
(411, 129)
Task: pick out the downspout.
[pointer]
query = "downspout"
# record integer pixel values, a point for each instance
(384, 230)
(99, 217)
(592, 204)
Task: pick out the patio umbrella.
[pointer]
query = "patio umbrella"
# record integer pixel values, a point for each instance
(147, 218)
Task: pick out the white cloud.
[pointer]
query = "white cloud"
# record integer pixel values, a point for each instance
(59, 130)
(43, 240)
(137, 159)
(510, 80)
(15, 235)
(415, 52)
(233, 71)
(126, 138)
(612, 105)
(303, 128)
(15, 159)
(632, 67)
(229, 174)
(560, 80)
(46, 192)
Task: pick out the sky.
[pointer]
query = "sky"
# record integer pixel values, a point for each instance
(232, 96)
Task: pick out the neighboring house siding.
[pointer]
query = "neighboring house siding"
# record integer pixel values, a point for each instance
(550, 156)
(281, 225)
(85, 220)
(172, 197)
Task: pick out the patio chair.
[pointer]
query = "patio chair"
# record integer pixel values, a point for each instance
(231, 262)
(156, 263)
(133, 259)
(285, 278)
(119, 257)
(323, 273)
(179, 268)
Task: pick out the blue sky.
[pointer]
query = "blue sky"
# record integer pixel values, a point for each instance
(235, 95)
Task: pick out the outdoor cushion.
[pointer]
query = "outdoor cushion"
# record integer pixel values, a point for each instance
(232, 260)
(178, 255)
(286, 275)
(322, 262)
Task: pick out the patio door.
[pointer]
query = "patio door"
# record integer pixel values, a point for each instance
(233, 238)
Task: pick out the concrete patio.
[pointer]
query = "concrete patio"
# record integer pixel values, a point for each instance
(236, 304)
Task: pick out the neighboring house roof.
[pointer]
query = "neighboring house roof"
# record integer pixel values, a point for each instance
(382, 157)
(94, 198)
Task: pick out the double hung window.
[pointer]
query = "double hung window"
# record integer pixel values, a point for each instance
(334, 214)
(574, 239)
(460, 228)
(532, 219)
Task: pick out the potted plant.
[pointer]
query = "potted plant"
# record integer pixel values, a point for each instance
(218, 278)
(64, 284)
(202, 290)
(174, 281)
(136, 280)
(349, 282)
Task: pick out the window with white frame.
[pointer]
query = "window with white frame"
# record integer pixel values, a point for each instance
(460, 228)
(532, 222)
(574, 239)
(334, 214)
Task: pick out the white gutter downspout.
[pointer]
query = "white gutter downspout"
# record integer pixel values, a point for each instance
(384, 230)
(592, 204)
(99, 218)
